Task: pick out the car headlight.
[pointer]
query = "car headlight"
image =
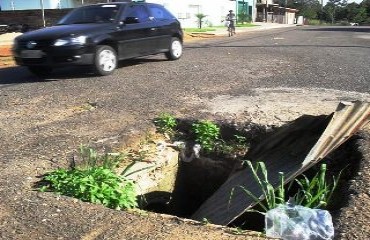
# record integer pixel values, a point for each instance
(70, 41)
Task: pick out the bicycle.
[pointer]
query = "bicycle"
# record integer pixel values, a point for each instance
(231, 28)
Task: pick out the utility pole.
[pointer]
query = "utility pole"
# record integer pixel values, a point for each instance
(43, 12)
(12, 5)
(285, 12)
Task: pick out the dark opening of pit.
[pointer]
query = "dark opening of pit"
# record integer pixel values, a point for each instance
(197, 180)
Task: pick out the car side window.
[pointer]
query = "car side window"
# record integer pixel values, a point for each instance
(160, 13)
(137, 12)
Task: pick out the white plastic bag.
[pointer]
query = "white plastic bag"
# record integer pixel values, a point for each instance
(294, 222)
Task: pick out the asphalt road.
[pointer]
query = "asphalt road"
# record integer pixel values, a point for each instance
(42, 122)
(300, 57)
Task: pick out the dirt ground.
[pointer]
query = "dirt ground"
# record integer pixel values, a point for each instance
(6, 59)
(57, 220)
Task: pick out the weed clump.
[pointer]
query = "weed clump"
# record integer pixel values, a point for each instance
(94, 181)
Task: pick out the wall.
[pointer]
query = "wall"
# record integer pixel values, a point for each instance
(35, 4)
(33, 18)
(290, 17)
(185, 10)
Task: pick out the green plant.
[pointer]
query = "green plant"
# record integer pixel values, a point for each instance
(244, 17)
(200, 17)
(316, 193)
(95, 184)
(208, 29)
(271, 196)
(94, 180)
(246, 25)
(237, 146)
(206, 134)
(205, 221)
(165, 123)
(240, 143)
(91, 159)
(237, 231)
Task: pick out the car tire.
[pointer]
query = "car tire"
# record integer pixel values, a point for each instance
(105, 60)
(175, 49)
(40, 71)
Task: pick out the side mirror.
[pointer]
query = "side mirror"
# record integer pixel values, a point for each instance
(131, 20)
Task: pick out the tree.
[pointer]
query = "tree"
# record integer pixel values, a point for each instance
(200, 17)
(311, 9)
(352, 10)
(308, 8)
(366, 5)
(332, 7)
(362, 16)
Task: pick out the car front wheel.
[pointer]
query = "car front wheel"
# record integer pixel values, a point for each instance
(175, 51)
(105, 60)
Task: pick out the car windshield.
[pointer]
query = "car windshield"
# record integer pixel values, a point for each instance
(91, 14)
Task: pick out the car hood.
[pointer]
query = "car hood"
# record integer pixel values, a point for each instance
(61, 31)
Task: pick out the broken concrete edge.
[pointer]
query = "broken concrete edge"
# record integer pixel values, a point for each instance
(236, 232)
(148, 176)
(352, 115)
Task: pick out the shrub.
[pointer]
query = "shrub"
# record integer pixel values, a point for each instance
(165, 123)
(94, 181)
(96, 185)
(206, 134)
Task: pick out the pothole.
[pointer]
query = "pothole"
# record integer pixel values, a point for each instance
(199, 179)
(200, 169)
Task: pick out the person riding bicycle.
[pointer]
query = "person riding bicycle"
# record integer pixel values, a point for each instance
(230, 17)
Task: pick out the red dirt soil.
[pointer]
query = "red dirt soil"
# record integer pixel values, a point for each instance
(6, 59)
(5, 51)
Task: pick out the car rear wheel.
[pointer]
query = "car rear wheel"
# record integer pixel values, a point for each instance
(105, 60)
(40, 71)
(175, 51)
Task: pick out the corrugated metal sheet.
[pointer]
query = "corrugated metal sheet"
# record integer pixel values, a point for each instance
(291, 149)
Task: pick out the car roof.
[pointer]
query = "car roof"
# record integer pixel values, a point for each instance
(126, 2)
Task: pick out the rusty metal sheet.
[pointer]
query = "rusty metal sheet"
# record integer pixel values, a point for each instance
(291, 149)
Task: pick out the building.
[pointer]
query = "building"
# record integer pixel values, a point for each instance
(185, 10)
(36, 4)
(271, 11)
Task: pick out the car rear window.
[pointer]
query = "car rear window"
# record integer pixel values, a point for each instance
(91, 14)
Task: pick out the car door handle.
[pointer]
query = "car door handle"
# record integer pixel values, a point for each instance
(153, 29)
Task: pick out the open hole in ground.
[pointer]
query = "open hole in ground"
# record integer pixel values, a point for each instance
(195, 181)
(225, 168)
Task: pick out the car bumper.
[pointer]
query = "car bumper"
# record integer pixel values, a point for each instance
(55, 56)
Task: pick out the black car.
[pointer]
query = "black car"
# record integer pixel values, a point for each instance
(100, 35)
